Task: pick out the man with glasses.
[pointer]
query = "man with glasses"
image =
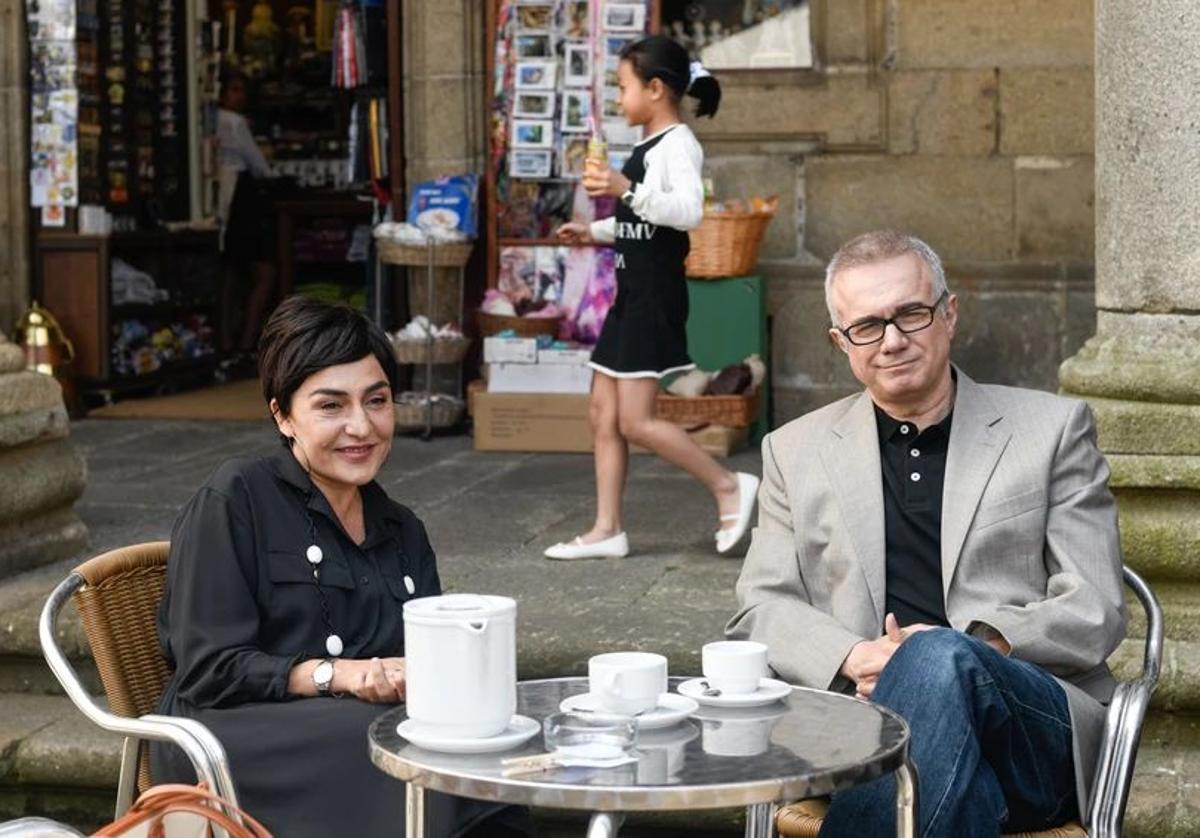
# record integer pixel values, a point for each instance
(945, 548)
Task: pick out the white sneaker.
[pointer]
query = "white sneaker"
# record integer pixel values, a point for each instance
(727, 539)
(616, 547)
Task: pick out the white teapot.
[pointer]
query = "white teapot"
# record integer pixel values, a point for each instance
(461, 654)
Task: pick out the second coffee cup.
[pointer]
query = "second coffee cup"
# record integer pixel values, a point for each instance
(627, 682)
(734, 666)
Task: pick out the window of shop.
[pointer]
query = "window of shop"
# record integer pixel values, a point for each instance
(742, 34)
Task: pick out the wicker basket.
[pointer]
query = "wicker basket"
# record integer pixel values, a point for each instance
(526, 327)
(730, 411)
(411, 411)
(445, 254)
(443, 350)
(726, 244)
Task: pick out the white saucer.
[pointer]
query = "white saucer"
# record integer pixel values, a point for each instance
(519, 731)
(769, 690)
(671, 710)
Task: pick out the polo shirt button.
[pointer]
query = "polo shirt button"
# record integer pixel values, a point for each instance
(916, 477)
(915, 452)
(904, 429)
(365, 581)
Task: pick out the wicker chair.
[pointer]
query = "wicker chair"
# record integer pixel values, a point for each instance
(1118, 749)
(117, 595)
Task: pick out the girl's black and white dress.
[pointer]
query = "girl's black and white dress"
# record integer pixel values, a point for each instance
(645, 334)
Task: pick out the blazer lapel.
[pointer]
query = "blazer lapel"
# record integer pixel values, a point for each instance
(852, 464)
(977, 439)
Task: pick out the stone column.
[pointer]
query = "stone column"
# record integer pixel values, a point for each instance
(41, 473)
(14, 160)
(1141, 371)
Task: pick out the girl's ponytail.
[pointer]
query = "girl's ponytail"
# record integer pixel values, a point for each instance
(705, 89)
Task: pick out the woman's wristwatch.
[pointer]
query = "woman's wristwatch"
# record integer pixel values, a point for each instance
(322, 677)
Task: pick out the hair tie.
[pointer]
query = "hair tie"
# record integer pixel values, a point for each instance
(696, 71)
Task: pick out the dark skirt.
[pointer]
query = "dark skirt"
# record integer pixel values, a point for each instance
(645, 332)
(250, 230)
(302, 768)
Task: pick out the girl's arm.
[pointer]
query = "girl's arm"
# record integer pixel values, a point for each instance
(672, 193)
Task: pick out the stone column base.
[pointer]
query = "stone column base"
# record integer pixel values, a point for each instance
(40, 540)
(1141, 375)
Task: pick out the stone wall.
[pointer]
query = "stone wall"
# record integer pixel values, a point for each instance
(966, 122)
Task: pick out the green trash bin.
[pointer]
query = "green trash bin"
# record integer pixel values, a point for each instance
(727, 321)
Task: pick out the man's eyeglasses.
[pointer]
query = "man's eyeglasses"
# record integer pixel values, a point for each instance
(912, 319)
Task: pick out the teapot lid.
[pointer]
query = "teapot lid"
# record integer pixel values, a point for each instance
(459, 606)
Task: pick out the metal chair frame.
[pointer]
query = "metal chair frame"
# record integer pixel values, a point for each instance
(205, 751)
(1123, 724)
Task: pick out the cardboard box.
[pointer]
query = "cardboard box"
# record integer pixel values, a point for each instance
(531, 422)
(498, 350)
(573, 357)
(558, 422)
(539, 378)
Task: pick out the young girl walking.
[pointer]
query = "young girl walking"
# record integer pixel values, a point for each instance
(661, 197)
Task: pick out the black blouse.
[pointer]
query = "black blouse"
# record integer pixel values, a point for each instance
(241, 606)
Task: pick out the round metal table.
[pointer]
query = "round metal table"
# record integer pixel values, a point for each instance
(810, 744)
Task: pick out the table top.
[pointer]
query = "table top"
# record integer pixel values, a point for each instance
(811, 743)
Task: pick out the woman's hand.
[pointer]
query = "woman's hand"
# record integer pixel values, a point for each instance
(378, 680)
(574, 233)
(605, 181)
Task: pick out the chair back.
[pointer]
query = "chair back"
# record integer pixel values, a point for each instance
(1123, 724)
(118, 605)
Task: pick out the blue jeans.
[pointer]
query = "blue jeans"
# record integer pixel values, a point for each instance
(991, 742)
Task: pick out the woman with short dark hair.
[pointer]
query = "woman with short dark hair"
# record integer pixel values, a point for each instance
(282, 613)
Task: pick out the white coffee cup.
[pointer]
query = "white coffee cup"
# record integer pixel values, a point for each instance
(734, 666)
(627, 682)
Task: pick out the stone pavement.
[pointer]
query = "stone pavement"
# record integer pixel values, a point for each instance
(488, 516)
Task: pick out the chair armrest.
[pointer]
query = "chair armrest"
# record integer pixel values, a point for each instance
(203, 748)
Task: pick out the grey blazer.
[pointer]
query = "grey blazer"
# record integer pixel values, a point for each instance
(1029, 544)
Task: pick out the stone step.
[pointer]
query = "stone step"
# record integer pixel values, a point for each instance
(55, 763)
(22, 667)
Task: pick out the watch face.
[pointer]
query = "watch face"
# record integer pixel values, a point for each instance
(323, 674)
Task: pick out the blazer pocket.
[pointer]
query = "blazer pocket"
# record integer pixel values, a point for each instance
(994, 512)
(291, 567)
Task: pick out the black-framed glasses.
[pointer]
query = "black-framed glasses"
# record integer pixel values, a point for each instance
(912, 319)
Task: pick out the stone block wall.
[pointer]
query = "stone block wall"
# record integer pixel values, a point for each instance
(966, 122)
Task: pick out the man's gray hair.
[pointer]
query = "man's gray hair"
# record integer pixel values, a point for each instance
(879, 246)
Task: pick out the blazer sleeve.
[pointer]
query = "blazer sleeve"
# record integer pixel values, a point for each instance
(805, 645)
(211, 613)
(1082, 618)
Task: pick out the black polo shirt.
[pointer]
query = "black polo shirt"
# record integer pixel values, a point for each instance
(914, 471)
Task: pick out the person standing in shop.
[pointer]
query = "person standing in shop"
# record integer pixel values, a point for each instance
(247, 232)
(644, 336)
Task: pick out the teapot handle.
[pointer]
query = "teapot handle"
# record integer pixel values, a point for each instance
(70, 349)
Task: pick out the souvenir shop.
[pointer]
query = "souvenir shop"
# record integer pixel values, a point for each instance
(554, 104)
(193, 161)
